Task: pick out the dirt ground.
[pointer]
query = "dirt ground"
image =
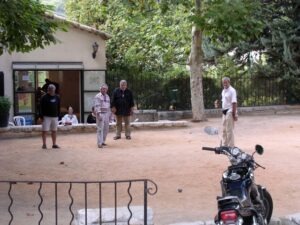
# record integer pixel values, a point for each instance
(172, 158)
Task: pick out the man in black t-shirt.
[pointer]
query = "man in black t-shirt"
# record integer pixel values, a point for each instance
(47, 83)
(122, 106)
(50, 110)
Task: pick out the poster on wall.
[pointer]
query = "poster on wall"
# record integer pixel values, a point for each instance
(89, 100)
(25, 102)
(93, 80)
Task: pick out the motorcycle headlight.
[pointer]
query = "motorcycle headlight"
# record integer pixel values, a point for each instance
(235, 151)
(244, 156)
(234, 176)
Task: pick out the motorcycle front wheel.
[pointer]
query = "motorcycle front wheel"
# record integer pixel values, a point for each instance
(268, 203)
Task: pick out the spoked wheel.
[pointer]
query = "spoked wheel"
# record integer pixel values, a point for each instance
(268, 203)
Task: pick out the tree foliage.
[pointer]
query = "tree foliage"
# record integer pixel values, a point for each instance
(281, 39)
(153, 38)
(276, 51)
(229, 21)
(278, 43)
(142, 38)
(23, 26)
(153, 35)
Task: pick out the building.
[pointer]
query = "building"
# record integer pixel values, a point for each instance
(77, 63)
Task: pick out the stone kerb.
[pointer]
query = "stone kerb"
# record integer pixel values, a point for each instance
(191, 223)
(257, 110)
(35, 130)
(108, 216)
(145, 115)
(293, 219)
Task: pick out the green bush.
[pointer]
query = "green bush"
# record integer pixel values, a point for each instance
(4, 104)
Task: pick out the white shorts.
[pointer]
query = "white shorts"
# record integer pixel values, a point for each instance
(49, 123)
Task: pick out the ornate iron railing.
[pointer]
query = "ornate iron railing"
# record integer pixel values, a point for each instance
(37, 200)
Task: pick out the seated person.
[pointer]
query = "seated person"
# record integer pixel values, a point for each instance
(69, 118)
(91, 117)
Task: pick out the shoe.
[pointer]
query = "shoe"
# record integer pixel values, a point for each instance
(104, 144)
(44, 147)
(55, 146)
(128, 137)
(117, 137)
(100, 146)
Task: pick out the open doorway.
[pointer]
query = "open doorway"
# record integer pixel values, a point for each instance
(68, 82)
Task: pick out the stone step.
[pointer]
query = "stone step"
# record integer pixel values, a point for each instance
(108, 216)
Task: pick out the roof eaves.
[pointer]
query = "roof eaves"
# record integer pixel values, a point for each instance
(80, 26)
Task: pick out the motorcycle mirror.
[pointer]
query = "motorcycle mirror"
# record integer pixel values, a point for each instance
(259, 149)
(211, 130)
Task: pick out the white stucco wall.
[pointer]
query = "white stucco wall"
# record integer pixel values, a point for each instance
(75, 45)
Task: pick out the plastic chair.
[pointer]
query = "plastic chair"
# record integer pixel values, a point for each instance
(19, 120)
(11, 124)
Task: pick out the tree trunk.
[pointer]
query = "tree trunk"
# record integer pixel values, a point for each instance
(196, 62)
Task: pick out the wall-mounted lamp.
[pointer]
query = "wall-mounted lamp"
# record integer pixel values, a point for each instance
(95, 49)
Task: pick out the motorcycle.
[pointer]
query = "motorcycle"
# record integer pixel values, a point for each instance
(243, 202)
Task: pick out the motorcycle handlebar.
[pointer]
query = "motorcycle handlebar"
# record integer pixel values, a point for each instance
(260, 165)
(236, 158)
(208, 149)
(217, 150)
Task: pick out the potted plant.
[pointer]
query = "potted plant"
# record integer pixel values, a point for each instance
(4, 111)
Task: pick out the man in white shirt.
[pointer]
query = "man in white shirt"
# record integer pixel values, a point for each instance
(103, 114)
(229, 110)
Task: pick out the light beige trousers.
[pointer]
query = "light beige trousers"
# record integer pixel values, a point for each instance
(102, 127)
(228, 125)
